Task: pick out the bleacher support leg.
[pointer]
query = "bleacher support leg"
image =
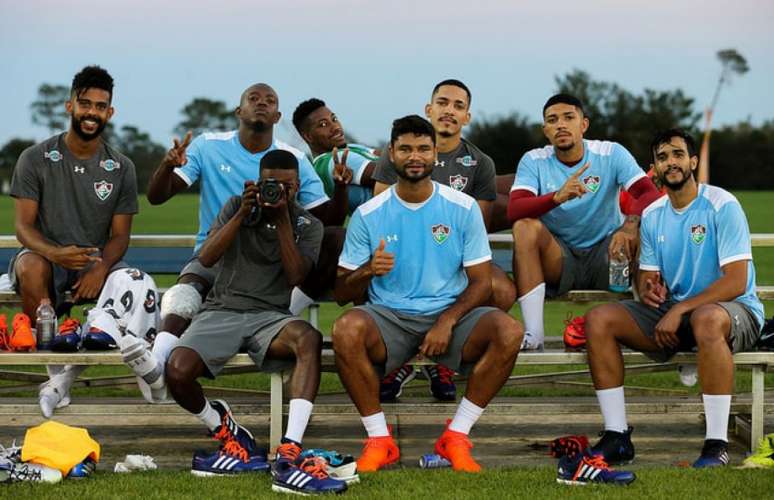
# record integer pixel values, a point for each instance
(756, 431)
(275, 412)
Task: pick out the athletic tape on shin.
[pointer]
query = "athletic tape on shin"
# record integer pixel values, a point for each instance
(182, 300)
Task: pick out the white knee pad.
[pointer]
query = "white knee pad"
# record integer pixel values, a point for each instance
(182, 299)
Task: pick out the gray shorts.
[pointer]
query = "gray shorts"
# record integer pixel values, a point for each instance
(217, 335)
(582, 268)
(403, 334)
(62, 279)
(743, 336)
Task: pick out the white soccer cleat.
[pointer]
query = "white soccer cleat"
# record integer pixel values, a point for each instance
(12, 472)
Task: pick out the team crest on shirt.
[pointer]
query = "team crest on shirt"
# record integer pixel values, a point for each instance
(109, 165)
(103, 189)
(53, 155)
(592, 183)
(467, 161)
(440, 233)
(698, 233)
(458, 182)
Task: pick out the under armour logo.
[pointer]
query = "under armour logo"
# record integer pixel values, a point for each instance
(79, 170)
(661, 238)
(440, 163)
(225, 168)
(391, 237)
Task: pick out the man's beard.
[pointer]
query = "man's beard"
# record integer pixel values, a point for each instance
(565, 148)
(75, 124)
(676, 186)
(414, 180)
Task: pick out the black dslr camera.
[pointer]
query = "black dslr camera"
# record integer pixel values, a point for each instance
(270, 191)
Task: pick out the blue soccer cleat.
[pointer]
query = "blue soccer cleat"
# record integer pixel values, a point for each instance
(98, 340)
(308, 477)
(230, 460)
(341, 467)
(392, 384)
(615, 447)
(68, 338)
(582, 469)
(83, 469)
(229, 430)
(714, 453)
(441, 379)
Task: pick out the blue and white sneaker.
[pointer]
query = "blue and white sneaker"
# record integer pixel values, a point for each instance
(83, 469)
(309, 477)
(392, 384)
(230, 430)
(231, 460)
(714, 453)
(582, 469)
(98, 340)
(341, 467)
(68, 338)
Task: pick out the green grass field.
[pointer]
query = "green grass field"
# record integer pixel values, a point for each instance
(180, 216)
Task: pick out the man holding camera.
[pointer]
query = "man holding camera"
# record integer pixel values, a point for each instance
(266, 244)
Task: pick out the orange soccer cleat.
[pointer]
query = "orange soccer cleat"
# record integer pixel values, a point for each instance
(22, 338)
(455, 447)
(378, 452)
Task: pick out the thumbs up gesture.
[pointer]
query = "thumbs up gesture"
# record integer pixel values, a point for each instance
(572, 188)
(382, 262)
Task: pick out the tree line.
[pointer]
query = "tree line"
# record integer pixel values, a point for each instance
(741, 155)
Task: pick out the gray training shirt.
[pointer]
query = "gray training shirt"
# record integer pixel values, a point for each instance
(466, 169)
(251, 277)
(76, 198)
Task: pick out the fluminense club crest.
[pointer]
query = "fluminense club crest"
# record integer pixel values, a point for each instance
(698, 233)
(458, 182)
(592, 183)
(440, 233)
(103, 189)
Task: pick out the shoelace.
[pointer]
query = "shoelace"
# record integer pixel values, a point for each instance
(25, 473)
(289, 451)
(69, 325)
(236, 450)
(315, 467)
(444, 374)
(597, 461)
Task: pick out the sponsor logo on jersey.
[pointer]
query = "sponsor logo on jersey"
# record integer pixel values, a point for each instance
(103, 189)
(698, 233)
(53, 155)
(302, 221)
(225, 168)
(440, 233)
(592, 183)
(458, 182)
(467, 161)
(79, 170)
(440, 163)
(109, 165)
(391, 238)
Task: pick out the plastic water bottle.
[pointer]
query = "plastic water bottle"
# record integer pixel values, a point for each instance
(433, 461)
(45, 327)
(619, 273)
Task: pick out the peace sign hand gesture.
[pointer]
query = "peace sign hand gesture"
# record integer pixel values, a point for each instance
(572, 188)
(176, 157)
(341, 173)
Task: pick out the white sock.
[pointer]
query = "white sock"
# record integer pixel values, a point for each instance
(375, 425)
(467, 415)
(163, 345)
(716, 410)
(209, 416)
(613, 406)
(54, 370)
(299, 301)
(298, 417)
(531, 304)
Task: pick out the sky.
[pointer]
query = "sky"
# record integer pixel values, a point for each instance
(375, 61)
